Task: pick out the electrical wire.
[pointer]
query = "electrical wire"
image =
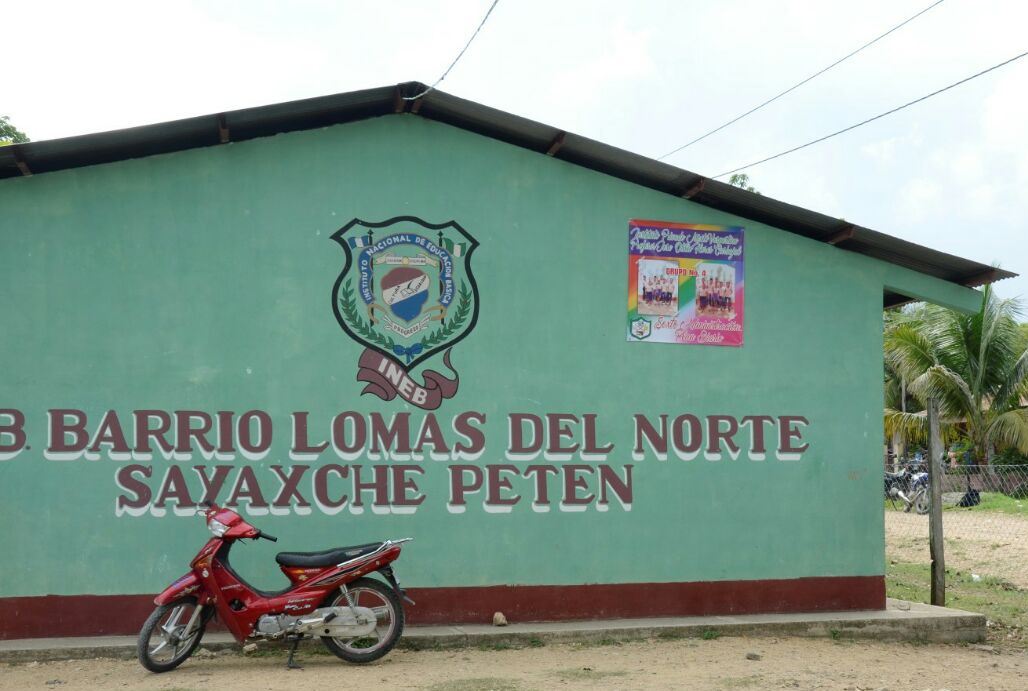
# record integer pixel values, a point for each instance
(798, 85)
(459, 55)
(876, 117)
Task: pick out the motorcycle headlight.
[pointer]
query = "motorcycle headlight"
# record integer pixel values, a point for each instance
(217, 527)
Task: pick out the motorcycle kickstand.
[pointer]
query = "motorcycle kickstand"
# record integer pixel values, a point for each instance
(290, 664)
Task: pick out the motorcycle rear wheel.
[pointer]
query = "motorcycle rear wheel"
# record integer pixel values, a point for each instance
(368, 592)
(168, 622)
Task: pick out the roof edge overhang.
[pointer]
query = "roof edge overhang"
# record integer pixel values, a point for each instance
(34, 158)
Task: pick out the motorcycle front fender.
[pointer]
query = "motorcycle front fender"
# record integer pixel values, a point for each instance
(187, 585)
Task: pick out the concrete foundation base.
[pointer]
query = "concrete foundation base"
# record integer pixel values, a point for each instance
(900, 621)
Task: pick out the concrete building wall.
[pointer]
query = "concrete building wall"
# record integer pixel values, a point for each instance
(201, 281)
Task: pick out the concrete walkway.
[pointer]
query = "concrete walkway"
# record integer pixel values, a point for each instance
(900, 621)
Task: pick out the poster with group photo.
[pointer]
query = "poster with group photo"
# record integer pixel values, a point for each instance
(685, 283)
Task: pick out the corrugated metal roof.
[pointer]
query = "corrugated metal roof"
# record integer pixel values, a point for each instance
(251, 123)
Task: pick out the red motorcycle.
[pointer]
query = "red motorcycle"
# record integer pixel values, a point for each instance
(329, 595)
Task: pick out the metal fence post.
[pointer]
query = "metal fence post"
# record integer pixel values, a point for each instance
(935, 471)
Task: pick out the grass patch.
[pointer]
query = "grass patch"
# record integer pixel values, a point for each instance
(604, 641)
(739, 682)
(996, 501)
(477, 684)
(1001, 602)
(585, 673)
(991, 501)
(513, 643)
(415, 644)
(307, 648)
(710, 635)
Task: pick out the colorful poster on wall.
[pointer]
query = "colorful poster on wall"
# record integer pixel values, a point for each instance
(685, 283)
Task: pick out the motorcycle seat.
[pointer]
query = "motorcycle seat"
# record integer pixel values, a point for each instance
(328, 557)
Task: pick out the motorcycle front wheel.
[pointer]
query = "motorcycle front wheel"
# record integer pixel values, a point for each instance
(170, 635)
(922, 501)
(384, 602)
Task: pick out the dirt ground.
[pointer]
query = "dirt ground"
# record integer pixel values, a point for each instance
(987, 542)
(658, 664)
(990, 543)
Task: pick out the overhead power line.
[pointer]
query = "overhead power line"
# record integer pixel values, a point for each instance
(799, 84)
(876, 117)
(459, 55)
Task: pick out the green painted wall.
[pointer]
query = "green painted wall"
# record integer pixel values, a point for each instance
(201, 280)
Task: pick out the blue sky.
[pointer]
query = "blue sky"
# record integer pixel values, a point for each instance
(647, 76)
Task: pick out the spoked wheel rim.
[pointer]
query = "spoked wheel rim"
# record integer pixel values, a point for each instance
(385, 617)
(173, 636)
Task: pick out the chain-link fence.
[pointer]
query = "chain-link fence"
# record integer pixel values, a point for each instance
(984, 517)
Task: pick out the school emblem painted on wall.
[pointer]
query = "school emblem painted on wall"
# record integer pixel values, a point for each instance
(406, 293)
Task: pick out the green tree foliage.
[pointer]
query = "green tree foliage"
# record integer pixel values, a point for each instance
(895, 386)
(9, 134)
(975, 365)
(742, 181)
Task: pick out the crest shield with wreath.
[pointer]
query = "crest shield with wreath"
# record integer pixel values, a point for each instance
(406, 292)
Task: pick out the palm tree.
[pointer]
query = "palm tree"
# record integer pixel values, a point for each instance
(897, 396)
(975, 365)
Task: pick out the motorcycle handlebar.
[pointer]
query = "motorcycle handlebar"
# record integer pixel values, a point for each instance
(266, 536)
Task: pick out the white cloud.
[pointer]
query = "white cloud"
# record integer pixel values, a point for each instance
(1005, 123)
(966, 166)
(898, 148)
(919, 199)
(883, 150)
(951, 172)
(983, 199)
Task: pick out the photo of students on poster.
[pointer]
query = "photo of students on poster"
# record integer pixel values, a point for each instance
(715, 290)
(658, 288)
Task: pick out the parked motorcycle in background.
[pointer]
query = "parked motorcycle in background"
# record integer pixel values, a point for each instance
(910, 485)
(330, 595)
